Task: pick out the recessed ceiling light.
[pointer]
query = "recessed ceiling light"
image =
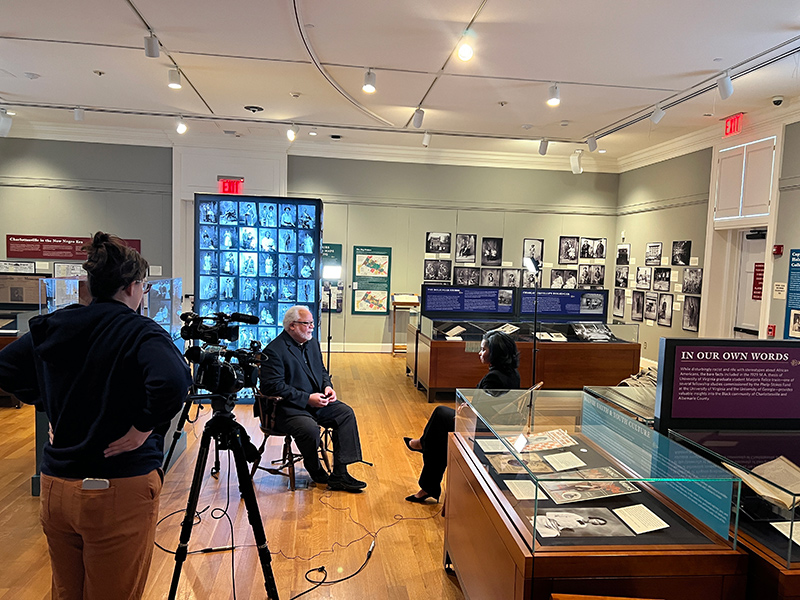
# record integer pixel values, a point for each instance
(32, 75)
(312, 132)
(718, 59)
(602, 151)
(253, 108)
(335, 137)
(10, 113)
(526, 126)
(565, 123)
(708, 114)
(465, 52)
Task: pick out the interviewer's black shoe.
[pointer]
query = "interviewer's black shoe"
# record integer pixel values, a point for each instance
(345, 483)
(407, 441)
(420, 500)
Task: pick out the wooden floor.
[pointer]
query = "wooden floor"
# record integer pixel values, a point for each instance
(306, 529)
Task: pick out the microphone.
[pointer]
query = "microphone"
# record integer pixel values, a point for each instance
(244, 318)
(188, 316)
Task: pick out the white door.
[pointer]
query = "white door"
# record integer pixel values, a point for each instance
(748, 310)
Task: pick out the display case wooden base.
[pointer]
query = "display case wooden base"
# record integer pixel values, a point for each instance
(492, 559)
(767, 577)
(443, 365)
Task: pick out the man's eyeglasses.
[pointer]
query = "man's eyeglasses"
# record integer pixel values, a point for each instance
(306, 323)
(146, 285)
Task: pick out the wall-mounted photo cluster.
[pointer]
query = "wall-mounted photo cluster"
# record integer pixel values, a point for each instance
(258, 256)
(659, 276)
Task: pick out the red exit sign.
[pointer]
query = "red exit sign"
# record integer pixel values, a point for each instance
(230, 185)
(733, 125)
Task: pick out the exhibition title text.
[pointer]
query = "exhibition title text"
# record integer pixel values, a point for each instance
(726, 356)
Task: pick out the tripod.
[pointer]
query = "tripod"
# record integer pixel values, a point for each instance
(228, 435)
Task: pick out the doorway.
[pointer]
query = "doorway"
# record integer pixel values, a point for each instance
(747, 322)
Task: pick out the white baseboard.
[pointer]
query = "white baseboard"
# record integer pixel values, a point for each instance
(354, 347)
(646, 362)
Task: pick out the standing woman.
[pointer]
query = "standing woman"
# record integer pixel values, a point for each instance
(110, 381)
(500, 352)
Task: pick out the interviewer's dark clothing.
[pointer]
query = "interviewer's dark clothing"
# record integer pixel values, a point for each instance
(441, 422)
(96, 370)
(294, 372)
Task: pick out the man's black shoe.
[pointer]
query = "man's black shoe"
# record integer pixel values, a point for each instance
(319, 476)
(345, 483)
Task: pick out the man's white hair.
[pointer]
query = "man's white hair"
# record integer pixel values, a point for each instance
(292, 315)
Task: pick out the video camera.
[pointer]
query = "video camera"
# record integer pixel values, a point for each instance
(215, 371)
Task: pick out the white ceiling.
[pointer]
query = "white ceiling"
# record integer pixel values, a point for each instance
(613, 61)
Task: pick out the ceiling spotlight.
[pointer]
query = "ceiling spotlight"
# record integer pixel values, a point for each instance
(369, 82)
(591, 141)
(10, 113)
(426, 139)
(175, 79)
(78, 113)
(151, 46)
(543, 147)
(575, 162)
(312, 132)
(419, 114)
(181, 126)
(657, 115)
(725, 86)
(292, 132)
(553, 96)
(465, 52)
(5, 122)
(602, 151)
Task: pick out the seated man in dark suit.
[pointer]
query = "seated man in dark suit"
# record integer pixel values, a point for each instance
(294, 370)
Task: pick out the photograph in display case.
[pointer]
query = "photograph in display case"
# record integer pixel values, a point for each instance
(593, 247)
(681, 253)
(643, 277)
(491, 252)
(637, 306)
(467, 276)
(593, 487)
(568, 250)
(650, 306)
(621, 276)
(691, 313)
(563, 279)
(507, 463)
(623, 254)
(466, 247)
(665, 309)
(437, 243)
(661, 278)
(794, 323)
(619, 303)
(208, 211)
(288, 215)
(510, 278)
(267, 214)
(533, 248)
(437, 270)
(247, 214)
(692, 281)
(579, 522)
(652, 255)
(490, 277)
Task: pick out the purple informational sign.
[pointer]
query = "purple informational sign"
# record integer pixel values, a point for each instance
(736, 382)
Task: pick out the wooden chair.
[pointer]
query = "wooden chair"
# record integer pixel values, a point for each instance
(264, 409)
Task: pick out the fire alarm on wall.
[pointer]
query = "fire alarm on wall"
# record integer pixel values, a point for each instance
(771, 331)
(777, 250)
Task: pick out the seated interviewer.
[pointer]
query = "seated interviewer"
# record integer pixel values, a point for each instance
(294, 370)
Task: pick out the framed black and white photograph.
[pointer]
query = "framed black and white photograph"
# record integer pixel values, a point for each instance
(593, 275)
(692, 281)
(467, 276)
(652, 255)
(505, 297)
(619, 303)
(623, 254)
(563, 279)
(579, 522)
(437, 243)
(437, 270)
(510, 278)
(491, 252)
(651, 306)
(637, 306)
(592, 303)
(533, 248)
(681, 252)
(665, 310)
(661, 278)
(568, 250)
(643, 277)
(621, 276)
(490, 277)
(530, 279)
(593, 247)
(466, 247)
(691, 313)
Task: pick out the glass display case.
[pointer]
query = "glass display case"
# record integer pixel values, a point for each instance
(637, 402)
(769, 507)
(571, 471)
(164, 304)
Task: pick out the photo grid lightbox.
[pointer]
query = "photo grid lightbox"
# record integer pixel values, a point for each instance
(259, 256)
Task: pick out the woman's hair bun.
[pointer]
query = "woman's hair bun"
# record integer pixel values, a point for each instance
(100, 238)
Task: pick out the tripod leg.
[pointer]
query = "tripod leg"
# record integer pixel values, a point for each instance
(191, 509)
(253, 514)
(215, 468)
(178, 430)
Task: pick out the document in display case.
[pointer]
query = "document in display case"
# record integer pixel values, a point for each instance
(572, 479)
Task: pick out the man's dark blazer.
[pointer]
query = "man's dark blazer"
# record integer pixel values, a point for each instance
(286, 373)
